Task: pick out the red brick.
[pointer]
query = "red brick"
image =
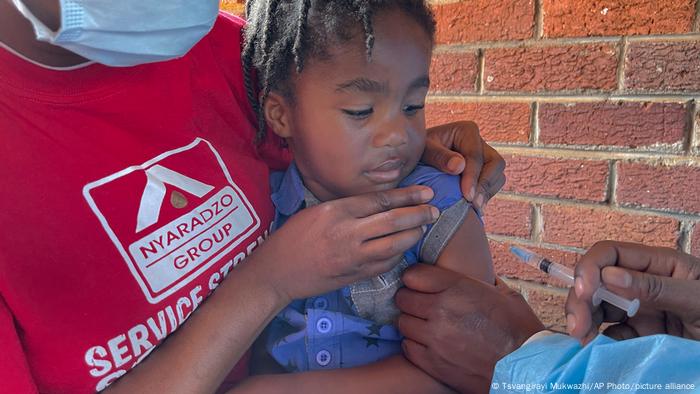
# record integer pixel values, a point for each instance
(549, 306)
(659, 186)
(556, 68)
(619, 124)
(663, 66)
(561, 178)
(498, 122)
(453, 72)
(509, 266)
(582, 227)
(616, 17)
(236, 7)
(507, 217)
(484, 20)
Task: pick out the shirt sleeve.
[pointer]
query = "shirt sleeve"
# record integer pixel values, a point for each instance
(557, 363)
(15, 376)
(453, 209)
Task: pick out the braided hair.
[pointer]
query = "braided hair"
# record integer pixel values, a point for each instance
(281, 34)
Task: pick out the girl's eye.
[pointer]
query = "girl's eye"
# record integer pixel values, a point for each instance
(358, 114)
(412, 109)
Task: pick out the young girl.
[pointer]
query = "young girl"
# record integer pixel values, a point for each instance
(344, 83)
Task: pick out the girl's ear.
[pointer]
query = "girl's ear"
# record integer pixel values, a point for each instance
(278, 114)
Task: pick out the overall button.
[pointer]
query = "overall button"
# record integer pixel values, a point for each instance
(323, 358)
(320, 303)
(324, 325)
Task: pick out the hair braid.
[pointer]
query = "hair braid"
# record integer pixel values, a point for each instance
(298, 49)
(365, 14)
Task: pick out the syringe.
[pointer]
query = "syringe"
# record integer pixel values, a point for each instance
(566, 275)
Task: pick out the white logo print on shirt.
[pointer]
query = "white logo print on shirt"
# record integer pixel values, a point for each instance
(163, 247)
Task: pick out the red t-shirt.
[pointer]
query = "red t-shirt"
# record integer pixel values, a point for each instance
(127, 195)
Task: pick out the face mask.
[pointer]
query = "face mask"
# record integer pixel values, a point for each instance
(127, 32)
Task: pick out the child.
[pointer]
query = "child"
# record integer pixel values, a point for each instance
(344, 83)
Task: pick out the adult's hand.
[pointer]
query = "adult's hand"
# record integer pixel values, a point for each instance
(666, 282)
(339, 242)
(457, 328)
(458, 148)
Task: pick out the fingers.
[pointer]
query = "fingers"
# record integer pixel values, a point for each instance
(660, 261)
(583, 320)
(579, 316)
(463, 137)
(474, 156)
(372, 203)
(417, 354)
(491, 179)
(658, 292)
(414, 303)
(431, 279)
(398, 219)
(384, 248)
(442, 158)
(414, 328)
(621, 332)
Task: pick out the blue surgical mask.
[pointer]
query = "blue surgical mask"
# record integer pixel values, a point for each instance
(127, 32)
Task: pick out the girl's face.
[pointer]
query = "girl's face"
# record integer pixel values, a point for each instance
(357, 126)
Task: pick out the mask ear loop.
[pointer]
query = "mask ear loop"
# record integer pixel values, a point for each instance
(42, 32)
(34, 62)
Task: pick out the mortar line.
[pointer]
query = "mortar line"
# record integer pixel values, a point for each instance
(535, 124)
(621, 66)
(684, 243)
(592, 153)
(533, 199)
(537, 43)
(612, 183)
(539, 20)
(697, 16)
(481, 62)
(693, 126)
(530, 243)
(530, 285)
(537, 223)
(574, 97)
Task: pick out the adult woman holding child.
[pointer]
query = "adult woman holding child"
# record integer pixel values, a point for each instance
(133, 185)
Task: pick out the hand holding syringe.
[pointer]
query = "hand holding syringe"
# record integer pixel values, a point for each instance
(566, 275)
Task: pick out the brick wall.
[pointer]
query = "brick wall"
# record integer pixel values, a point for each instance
(236, 7)
(593, 104)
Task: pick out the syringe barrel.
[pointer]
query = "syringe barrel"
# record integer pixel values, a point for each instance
(561, 272)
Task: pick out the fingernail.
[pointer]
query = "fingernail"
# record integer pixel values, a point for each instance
(455, 165)
(472, 192)
(570, 323)
(426, 194)
(435, 213)
(578, 287)
(617, 277)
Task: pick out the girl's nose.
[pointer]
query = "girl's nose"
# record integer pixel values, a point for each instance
(392, 134)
